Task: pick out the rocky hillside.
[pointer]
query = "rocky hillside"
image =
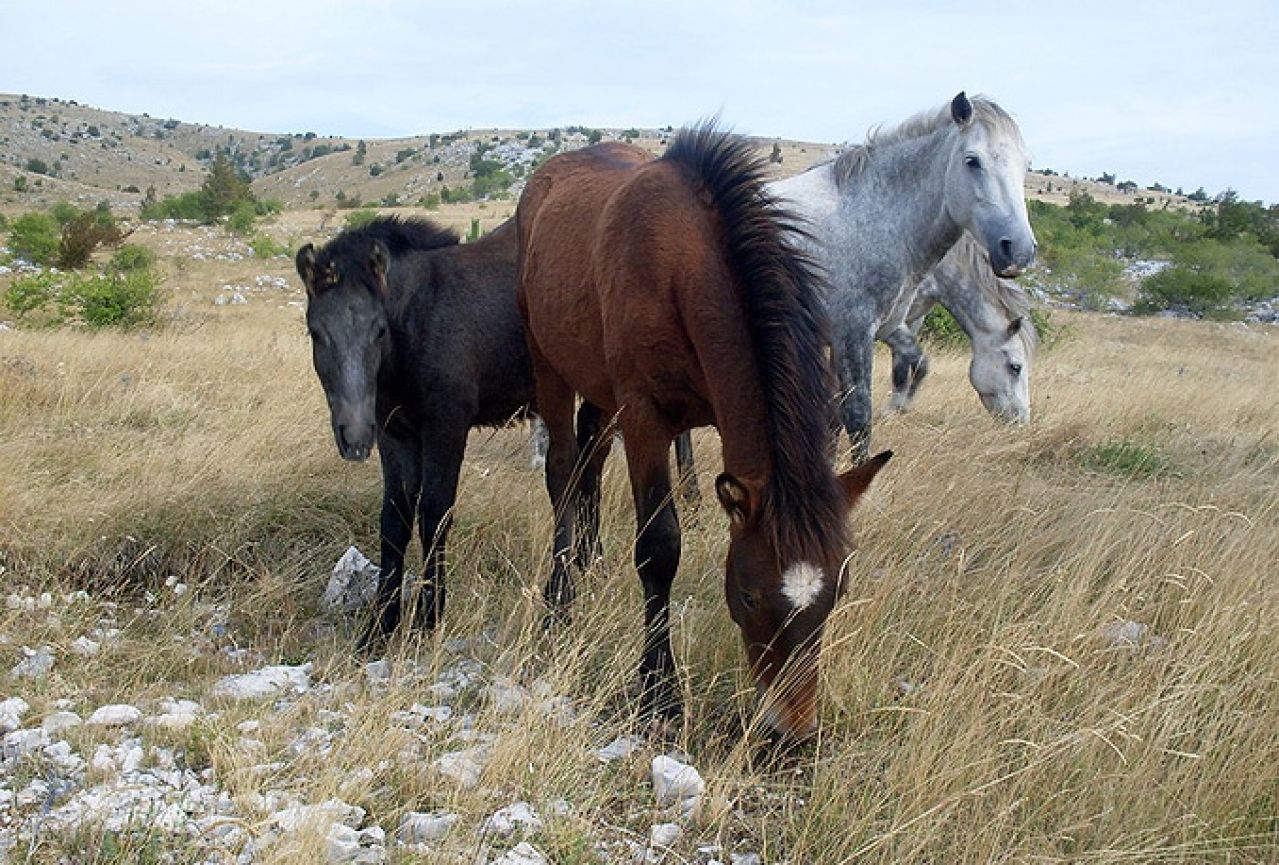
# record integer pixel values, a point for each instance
(52, 149)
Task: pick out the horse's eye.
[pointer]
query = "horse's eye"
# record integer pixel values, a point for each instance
(1014, 368)
(748, 600)
(972, 162)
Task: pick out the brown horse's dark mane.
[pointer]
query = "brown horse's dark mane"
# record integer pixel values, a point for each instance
(780, 290)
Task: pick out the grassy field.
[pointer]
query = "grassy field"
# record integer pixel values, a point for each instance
(1058, 645)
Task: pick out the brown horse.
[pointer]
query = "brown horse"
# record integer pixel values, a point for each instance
(667, 293)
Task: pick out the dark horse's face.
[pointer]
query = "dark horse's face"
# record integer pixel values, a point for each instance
(346, 317)
(781, 604)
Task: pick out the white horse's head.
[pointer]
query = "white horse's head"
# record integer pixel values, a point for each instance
(984, 183)
(1000, 369)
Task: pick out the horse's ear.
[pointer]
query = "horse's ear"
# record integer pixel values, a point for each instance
(305, 262)
(379, 257)
(1015, 327)
(857, 480)
(961, 109)
(738, 498)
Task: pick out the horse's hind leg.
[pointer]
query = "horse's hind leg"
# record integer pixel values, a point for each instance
(687, 471)
(594, 440)
(555, 403)
(401, 481)
(657, 552)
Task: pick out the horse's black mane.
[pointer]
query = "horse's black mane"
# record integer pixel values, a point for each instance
(782, 301)
(398, 235)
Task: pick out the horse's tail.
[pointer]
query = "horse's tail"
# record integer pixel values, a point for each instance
(780, 288)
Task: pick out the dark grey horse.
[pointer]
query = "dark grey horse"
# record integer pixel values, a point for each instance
(885, 212)
(995, 315)
(416, 339)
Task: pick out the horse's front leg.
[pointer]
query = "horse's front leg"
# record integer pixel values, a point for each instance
(401, 482)
(443, 446)
(657, 553)
(687, 471)
(909, 366)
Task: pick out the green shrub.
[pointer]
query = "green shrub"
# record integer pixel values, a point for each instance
(115, 300)
(132, 257)
(940, 329)
(1181, 287)
(432, 201)
(36, 238)
(29, 297)
(240, 220)
(64, 211)
(360, 218)
(264, 246)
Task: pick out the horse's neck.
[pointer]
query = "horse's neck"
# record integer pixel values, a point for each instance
(892, 219)
(963, 298)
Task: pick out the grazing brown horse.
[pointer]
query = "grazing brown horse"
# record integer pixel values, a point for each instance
(667, 293)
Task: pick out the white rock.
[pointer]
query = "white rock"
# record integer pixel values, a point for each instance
(25, 741)
(506, 820)
(1126, 634)
(56, 722)
(418, 827)
(664, 835)
(11, 712)
(103, 760)
(745, 859)
(36, 664)
(619, 748)
(463, 766)
(523, 853)
(297, 817)
(353, 583)
(114, 715)
(131, 757)
(266, 682)
(356, 847)
(506, 696)
(85, 647)
(377, 671)
(676, 783)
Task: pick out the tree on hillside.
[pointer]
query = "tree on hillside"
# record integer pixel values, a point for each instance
(224, 188)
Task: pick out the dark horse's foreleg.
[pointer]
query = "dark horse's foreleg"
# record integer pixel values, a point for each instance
(855, 355)
(594, 440)
(443, 445)
(910, 365)
(401, 483)
(687, 471)
(657, 551)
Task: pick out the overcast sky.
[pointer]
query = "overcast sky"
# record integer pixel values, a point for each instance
(1183, 93)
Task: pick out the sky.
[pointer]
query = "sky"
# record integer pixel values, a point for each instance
(1181, 93)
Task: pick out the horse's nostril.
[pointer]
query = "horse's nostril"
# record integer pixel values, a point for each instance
(1006, 247)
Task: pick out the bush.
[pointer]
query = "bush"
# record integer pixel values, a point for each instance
(115, 300)
(360, 218)
(83, 235)
(36, 238)
(27, 296)
(240, 220)
(940, 329)
(37, 166)
(265, 246)
(132, 257)
(1181, 287)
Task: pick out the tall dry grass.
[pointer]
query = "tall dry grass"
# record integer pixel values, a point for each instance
(976, 709)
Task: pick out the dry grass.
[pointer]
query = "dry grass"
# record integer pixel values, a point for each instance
(973, 709)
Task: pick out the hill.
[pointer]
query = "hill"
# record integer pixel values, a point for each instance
(53, 149)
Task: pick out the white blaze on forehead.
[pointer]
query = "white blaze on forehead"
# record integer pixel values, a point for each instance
(802, 582)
